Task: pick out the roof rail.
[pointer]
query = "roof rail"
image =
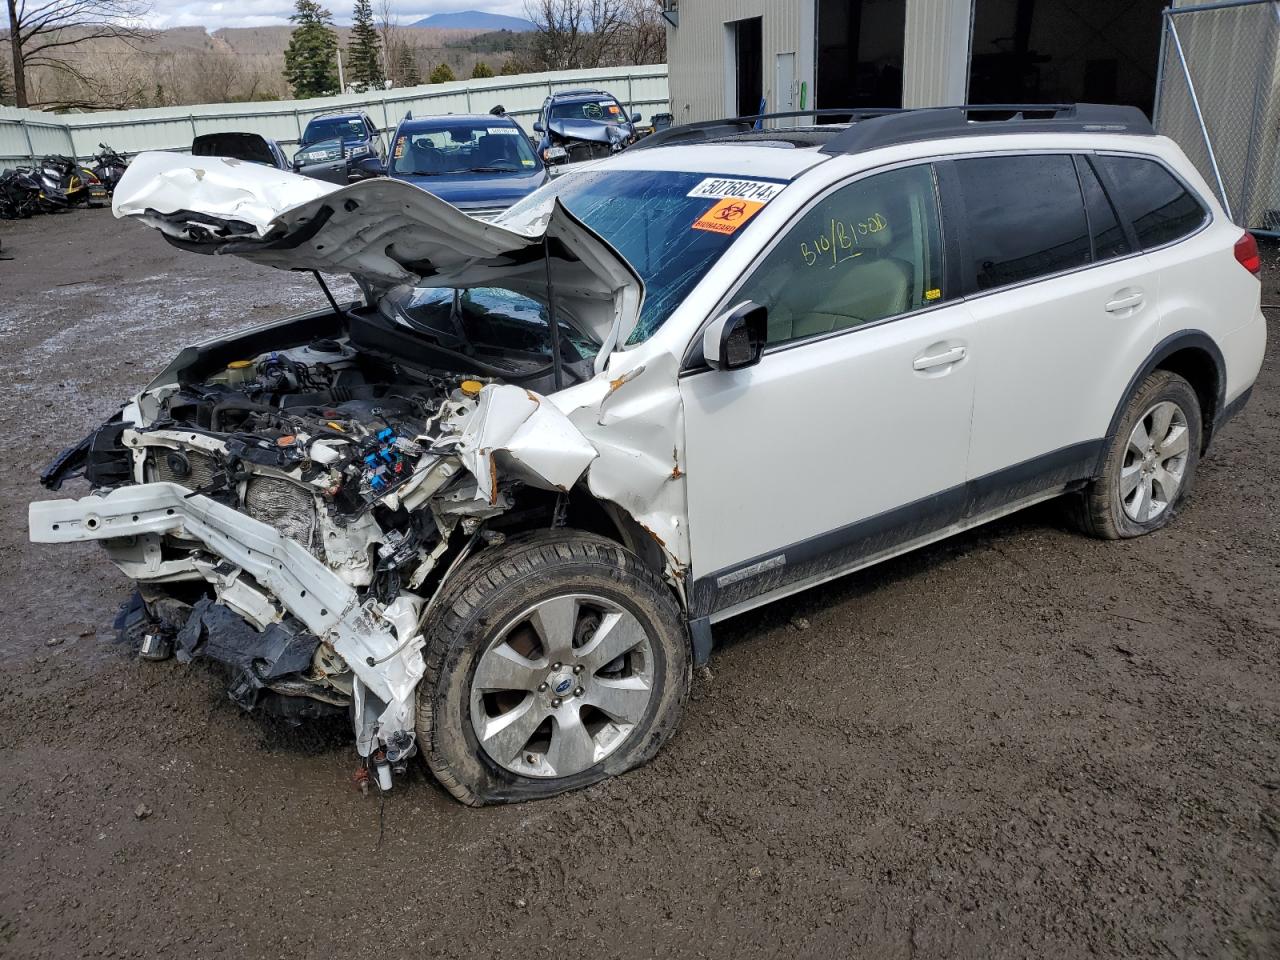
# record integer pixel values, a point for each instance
(937, 123)
(712, 129)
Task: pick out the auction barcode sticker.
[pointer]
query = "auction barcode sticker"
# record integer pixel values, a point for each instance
(719, 188)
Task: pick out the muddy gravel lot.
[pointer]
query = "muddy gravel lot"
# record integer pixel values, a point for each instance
(1020, 743)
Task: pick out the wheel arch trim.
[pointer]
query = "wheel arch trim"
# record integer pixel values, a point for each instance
(1194, 340)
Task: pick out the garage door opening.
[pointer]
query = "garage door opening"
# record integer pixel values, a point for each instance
(745, 41)
(860, 53)
(1048, 51)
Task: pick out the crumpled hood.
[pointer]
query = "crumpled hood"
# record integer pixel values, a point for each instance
(597, 131)
(384, 232)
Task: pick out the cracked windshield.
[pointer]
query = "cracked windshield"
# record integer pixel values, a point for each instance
(670, 237)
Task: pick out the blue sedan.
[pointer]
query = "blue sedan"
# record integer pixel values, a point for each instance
(480, 164)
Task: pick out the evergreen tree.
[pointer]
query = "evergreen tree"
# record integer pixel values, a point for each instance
(407, 67)
(364, 52)
(511, 67)
(481, 70)
(443, 74)
(310, 62)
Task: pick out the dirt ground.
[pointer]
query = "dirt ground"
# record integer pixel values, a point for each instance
(1020, 743)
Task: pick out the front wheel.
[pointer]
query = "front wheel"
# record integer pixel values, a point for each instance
(559, 659)
(1150, 462)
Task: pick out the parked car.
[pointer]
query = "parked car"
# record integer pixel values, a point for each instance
(250, 147)
(333, 146)
(480, 164)
(578, 125)
(495, 509)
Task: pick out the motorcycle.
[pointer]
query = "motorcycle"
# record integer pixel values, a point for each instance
(109, 167)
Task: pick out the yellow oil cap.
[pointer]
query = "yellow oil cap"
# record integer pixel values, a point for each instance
(239, 364)
(471, 388)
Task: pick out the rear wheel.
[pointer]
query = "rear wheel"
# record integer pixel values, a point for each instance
(558, 660)
(1150, 464)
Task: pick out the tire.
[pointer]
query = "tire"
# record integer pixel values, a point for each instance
(1111, 507)
(488, 668)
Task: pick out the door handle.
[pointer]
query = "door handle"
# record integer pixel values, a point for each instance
(939, 359)
(1127, 302)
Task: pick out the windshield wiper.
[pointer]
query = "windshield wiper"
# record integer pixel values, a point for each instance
(491, 170)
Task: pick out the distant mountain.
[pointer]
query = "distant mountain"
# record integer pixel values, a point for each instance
(475, 20)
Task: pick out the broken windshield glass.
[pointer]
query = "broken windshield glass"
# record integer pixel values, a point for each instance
(670, 237)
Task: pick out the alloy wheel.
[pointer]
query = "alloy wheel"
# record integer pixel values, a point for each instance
(1155, 462)
(562, 686)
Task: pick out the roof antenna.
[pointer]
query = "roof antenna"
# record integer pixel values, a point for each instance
(557, 372)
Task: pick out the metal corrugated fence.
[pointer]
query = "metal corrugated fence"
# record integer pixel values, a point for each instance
(26, 134)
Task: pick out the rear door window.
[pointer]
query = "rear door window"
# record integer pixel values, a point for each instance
(1024, 218)
(1160, 208)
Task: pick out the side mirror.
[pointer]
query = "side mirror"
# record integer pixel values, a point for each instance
(736, 338)
(538, 127)
(635, 118)
(370, 167)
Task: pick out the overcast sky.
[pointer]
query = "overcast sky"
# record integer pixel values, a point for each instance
(257, 13)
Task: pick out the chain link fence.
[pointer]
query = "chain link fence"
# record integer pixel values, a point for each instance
(1218, 96)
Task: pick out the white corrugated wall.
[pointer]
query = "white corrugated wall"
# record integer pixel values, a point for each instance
(935, 67)
(700, 57)
(701, 62)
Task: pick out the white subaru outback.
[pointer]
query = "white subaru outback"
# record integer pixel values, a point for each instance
(494, 509)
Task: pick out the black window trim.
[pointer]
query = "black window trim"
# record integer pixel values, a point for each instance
(1108, 187)
(693, 362)
(954, 237)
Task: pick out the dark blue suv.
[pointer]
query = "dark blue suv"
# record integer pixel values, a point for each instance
(480, 164)
(334, 146)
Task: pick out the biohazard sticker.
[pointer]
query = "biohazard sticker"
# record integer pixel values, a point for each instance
(727, 215)
(720, 188)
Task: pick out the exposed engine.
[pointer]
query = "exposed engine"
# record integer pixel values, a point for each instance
(337, 451)
(293, 515)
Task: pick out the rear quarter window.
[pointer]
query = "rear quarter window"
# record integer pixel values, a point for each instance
(1160, 208)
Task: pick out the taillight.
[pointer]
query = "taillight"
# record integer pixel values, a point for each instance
(1247, 254)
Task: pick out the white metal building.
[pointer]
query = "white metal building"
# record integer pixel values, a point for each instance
(726, 56)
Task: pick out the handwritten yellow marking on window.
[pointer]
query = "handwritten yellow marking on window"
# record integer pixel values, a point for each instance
(837, 244)
(934, 294)
(727, 215)
(399, 151)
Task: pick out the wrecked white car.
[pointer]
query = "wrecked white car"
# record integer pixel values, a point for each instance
(493, 510)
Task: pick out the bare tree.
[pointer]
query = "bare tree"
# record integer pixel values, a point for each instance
(392, 41)
(574, 34)
(43, 32)
(645, 38)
